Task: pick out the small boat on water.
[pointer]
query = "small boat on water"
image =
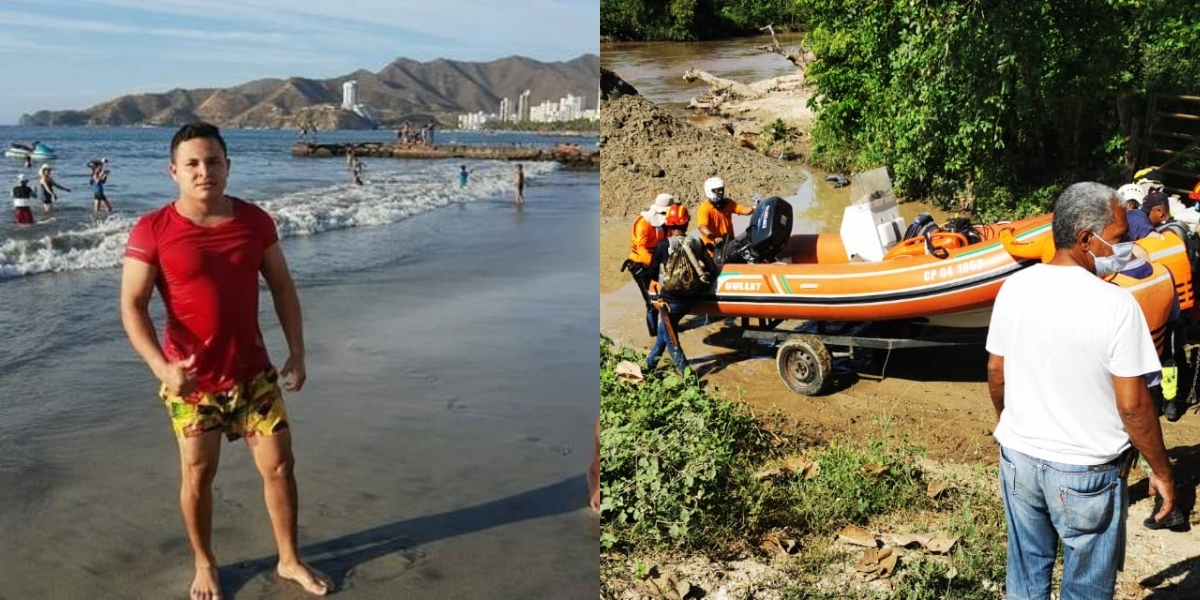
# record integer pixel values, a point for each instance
(37, 151)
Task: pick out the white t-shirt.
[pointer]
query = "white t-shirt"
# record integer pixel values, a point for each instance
(1064, 333)
(21, 202)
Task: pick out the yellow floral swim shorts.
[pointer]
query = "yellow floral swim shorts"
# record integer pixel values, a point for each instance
(248, 409)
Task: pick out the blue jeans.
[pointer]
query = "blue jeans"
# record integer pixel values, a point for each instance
(1084, 506)
(663, 341)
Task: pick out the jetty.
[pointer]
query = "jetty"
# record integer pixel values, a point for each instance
(570, 155)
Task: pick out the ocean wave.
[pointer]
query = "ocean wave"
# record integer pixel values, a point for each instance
(387, 196)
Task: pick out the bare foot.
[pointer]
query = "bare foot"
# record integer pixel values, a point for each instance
(312, 580)
(205, 586)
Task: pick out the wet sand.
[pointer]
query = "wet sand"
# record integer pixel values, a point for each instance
(441, 441)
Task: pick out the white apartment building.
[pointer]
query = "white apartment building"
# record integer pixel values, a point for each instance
(505, 110)
(349, 94)
(567, 108)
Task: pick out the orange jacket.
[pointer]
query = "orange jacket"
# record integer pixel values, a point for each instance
(719, 220)
(645, 238)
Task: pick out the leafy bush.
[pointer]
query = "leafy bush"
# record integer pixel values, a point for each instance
(992, 101)
(676, 460)
(678, 469)
(681, 469)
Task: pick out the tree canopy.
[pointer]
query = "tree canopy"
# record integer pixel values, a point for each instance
(993, 100)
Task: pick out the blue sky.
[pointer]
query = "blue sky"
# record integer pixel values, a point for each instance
(73, 54)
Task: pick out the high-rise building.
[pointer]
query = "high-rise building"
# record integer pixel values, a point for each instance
(505, 110)
(570, 107)
(523, 106)
(349, 94)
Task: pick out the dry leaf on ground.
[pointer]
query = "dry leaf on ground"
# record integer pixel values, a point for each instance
(905, 540)
(802, 466)
(941, 543)
(775, 544)
(878, 562)
(873, 469)
(937, 488)
(858, 536)
(629, 371)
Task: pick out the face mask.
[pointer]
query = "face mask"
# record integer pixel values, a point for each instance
(1107, 265)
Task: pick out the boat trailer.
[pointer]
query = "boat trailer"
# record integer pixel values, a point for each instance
(805, 353)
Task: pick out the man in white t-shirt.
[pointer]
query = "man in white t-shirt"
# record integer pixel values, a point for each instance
(1067, 357)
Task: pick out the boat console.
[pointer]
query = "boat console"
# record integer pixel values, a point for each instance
(872, 224)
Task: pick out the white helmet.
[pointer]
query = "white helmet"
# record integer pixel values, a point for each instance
(1131, 191)
(713, 183)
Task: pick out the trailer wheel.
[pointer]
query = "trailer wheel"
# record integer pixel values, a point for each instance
(804, 363)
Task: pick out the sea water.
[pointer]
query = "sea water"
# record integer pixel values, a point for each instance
(43, 309)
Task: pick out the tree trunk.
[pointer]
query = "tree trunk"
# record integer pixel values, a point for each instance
(794, 55)
(719, 85)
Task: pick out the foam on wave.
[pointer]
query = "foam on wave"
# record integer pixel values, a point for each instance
(387, 197)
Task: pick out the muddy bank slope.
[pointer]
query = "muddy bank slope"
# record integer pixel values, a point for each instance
(647, 151)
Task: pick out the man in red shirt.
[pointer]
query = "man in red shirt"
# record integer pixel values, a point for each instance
(204, 253)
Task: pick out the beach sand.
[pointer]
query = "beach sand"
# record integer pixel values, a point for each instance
(442, 439)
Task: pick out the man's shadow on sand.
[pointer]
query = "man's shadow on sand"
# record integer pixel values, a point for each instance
(338, 557)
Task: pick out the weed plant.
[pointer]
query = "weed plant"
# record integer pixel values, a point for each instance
(680, 472)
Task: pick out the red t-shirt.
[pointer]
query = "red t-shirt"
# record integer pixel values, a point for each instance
(208, 279)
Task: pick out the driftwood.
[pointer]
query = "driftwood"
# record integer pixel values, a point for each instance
(719, 85)
(794, 55)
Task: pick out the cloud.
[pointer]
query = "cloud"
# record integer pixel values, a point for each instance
(45, 24)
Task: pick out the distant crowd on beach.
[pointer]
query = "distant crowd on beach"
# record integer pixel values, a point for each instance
(407, 136)
(24, 195)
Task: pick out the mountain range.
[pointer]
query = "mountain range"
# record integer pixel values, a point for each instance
(403, 90)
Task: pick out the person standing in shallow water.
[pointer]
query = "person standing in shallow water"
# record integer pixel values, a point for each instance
(216, 375)
(97, 182)
(520, 185)
(47, 184)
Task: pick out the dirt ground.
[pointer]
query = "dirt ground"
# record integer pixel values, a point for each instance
(647, 151)
(937, 398)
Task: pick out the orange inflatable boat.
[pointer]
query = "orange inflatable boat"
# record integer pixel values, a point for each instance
(921, 285)
(813, 278)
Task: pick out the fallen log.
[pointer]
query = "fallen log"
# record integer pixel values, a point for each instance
(720, 85)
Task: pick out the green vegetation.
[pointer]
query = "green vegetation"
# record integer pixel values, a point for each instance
(686, 470)
(992, 102)
(582, 125)
(775, 134)
(998, 105)
(677, 461)
(689, 20)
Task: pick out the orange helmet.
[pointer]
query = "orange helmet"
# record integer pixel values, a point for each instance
(677, 216)
(1195, 195)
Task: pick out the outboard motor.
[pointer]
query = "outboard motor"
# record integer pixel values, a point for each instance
(768, 232)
